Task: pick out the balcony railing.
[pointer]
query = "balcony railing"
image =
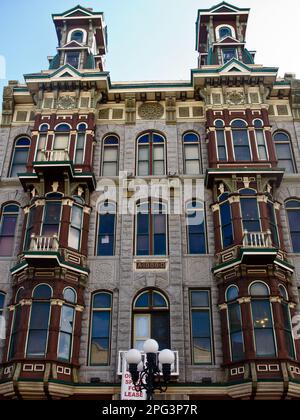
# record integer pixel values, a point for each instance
(54, 156)
(257, 239)
(122, 364)
(44, 243)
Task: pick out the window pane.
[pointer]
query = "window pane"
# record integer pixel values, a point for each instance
(39, 316)
(192, 167)
(160, 329)
(143, 168)
(143, 301)
(52, 213)
(200, 299)
(202, 350)
(106, 245)
(264, 340)
(142, 326)
(237, 346)
(102, 300)
(143, 153)
(67, 319)
(6, 246)
(61, 142)
(200, 324)
(110, 169)
(73, 59)
(37, 343)
(159, 223)
(158, 168)
(99, 351)
(234, 315)
(101, 324)
(76, 216)
(64, 346)
(249, 208)
(191, 151)
(158, 300)
(74, 238)
(8, 226)
(158, 152)
(241, 145)
(261, 312)
(283, 151)
(107, 224)
(142, 223)
(110, 154)
(42, 291)
(160, 244)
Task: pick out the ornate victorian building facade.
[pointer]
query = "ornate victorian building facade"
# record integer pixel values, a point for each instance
(83, 280)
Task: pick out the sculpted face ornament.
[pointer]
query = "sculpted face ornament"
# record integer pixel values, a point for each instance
(66, 102)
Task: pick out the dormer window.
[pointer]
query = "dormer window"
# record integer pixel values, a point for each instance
(73, 58)
(77, 36)
(228, 54)
(224, 32)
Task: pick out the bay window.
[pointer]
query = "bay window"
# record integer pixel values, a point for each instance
(76, 225)
(226, 221)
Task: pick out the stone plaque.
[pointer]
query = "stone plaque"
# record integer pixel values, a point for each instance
(151, 265)
(66, 102)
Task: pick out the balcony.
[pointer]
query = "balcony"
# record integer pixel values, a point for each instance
(51, 161)
(55, 156)
(43, 243)
(122, 364)
(258, 248)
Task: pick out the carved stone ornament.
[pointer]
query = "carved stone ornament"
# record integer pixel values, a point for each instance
(151, 111)
(235, 98)
(66, 102)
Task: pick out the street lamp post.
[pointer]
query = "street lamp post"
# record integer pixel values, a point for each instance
(147, 375)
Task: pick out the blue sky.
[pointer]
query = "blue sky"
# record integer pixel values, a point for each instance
(148, 39)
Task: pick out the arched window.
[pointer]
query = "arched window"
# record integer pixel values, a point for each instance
(249, 211)
(262, 317)
(224, 32)
(106, 229)
(20, 157)
(77, 36)
(100, 328)
(80, 143)
(226, 221)
(39, 321)
(8, 224)
(151, 319)
(260, 140)
(110, 156)
(201, 327)
(61, 141)
(16, 324)
(151, 156)
(66, 329)
(287, 322)
(240, 140)
(75, 227)
(220, 140)
(195, 220)
(235, 324)
(284, 152)
(191, 144)
(151, 228)
(293, 212)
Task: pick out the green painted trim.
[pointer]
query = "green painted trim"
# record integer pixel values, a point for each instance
(73, 10)
(226, 264)
(292, 267)
(16, 267)
(17, 89)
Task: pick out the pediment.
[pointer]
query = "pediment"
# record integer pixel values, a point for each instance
(235, 66)
(66, 71)
(229, 40)
(224, 8)
(73, 44)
